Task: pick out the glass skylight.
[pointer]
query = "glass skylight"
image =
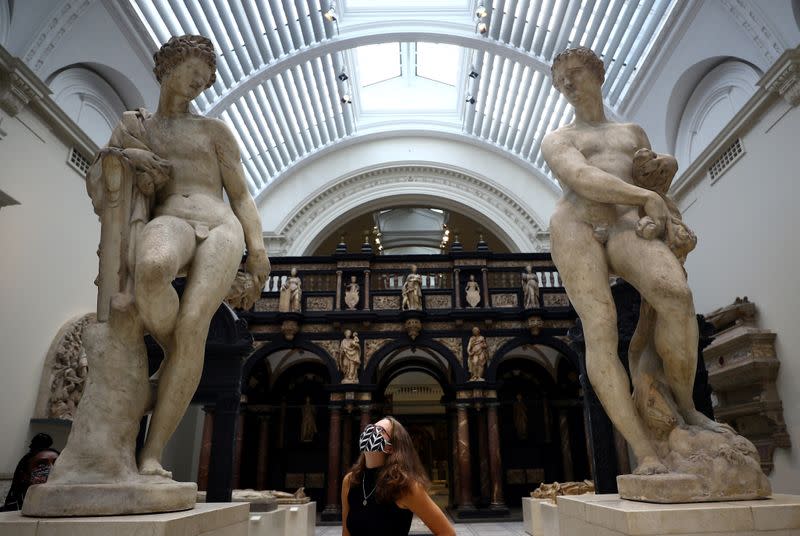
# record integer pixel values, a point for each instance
(378, 63)
(439, 62)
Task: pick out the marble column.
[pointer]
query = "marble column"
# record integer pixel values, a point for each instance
(347, 441)
(464, 468)
(332, 506)
(485, 279)
(483, 456)
(455, 481)
(263, 451)
(497, 500)
(338, 305)
(457, 286)
(205, 449)
(237, 466)
(366, 417)
(566, 446)
(367, 305)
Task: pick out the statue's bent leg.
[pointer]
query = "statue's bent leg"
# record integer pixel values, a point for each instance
(166, 245)
(657, 274)
(212, 272)
(582, 266)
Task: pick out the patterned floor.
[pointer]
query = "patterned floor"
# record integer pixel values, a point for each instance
(462, 529)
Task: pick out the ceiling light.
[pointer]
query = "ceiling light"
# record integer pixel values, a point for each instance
(471, 99)
(480, 11)
(482, 28)
(330, 15)
(473, 74)
(346, 99)
(342, 76)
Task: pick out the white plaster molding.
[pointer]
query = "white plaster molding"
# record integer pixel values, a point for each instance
(56, 25)
(5, 22)
(431, 131)
(21, 88)
(783, 78)
(92, 89)
(716, 86)
(756, 25)
(488, 203)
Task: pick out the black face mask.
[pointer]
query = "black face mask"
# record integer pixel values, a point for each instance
(372, 439)
(40, 473)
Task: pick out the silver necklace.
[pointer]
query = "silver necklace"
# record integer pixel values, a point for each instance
(364, 490)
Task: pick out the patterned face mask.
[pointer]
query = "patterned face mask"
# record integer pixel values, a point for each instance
(372, 439)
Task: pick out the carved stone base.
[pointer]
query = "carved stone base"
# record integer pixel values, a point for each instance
(74, 500)
(670, 488)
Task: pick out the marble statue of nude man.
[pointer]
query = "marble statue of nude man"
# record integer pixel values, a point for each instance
(193, 231)
(593, 235)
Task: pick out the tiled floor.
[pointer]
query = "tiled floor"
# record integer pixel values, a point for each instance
(462, 529)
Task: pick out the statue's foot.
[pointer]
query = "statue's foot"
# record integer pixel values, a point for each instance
(650, 465)
(151, 466)
(696, 418)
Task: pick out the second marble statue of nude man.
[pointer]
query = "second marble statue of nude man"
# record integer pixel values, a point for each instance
(593, 235)
(193, 230)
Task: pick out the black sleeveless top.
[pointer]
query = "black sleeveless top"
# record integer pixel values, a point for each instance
(375, 519)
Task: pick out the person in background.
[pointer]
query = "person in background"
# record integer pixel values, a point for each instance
(387, 486)
(33, 468)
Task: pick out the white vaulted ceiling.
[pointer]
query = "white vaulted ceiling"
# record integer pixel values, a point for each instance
(407, 64)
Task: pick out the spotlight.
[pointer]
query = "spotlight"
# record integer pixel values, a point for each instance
(473, 74)
(471, 99)
(480, 11)
(482, 28)
(330, 15)
(346, 99)
(342, 76)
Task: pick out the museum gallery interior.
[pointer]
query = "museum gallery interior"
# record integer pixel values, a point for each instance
(552, 238)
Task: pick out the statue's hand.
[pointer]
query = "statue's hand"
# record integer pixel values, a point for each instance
(152, 171)
(656, 208)
(258, 265)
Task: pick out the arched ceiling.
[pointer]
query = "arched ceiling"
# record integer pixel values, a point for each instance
(407, 63)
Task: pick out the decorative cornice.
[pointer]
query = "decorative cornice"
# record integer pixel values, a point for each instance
(783, 78)
(58, 23)
(757, 28)
(495, 202)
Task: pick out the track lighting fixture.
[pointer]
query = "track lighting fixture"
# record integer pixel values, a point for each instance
(343, 76)
(482, 28)
(473, 74)
(330, 15)
(480, 11)
(346, 99)
(470, 99)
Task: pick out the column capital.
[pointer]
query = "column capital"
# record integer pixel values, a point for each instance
(18, 84)
(783, 78)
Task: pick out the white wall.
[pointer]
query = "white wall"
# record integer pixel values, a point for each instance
(47, 261)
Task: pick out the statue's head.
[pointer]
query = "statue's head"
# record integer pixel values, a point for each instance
(413, 268)
(187, 61)
(529, 268)
(347, 333)
(577, 70)
(476, 331)
(472, 278)
(293, 271)
(352, 279)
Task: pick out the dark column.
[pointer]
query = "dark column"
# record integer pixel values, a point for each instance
(237, 466)
(338, 305)
(457, 286)
(485, 279)
(566, 446)
(282, 425)
(347, 441)
(263, 451)
(333, 509)
(366, 417)
(455, 481)
(367, 305)
(483, 454)
(495, 462)
(220, 471)
(205, 450)
(464, 469)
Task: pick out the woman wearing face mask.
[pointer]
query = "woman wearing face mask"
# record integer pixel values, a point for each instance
(387, 486)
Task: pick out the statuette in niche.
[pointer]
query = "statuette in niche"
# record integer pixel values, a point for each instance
(473, 291)
(530, 288)
(291, 294)
(412, 291)
(478, 355)
(351, 294)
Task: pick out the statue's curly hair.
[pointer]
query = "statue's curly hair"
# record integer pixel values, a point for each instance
(179, 48)
(586, 55)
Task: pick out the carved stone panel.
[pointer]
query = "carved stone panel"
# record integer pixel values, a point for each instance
(440, 301)
(385, 303)
(555, 300)
(266, 304)
(494, 344)
(319, 303)
(371, 346)
(504, 300)
(331, 347)
(454, 345)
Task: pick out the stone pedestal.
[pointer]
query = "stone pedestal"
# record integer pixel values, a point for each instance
(551, 522)
(532, 515)
(608, 515)
(268, 523)
(220, 519)
(301, 519)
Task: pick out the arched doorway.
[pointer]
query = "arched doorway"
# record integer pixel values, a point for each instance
(543, 436)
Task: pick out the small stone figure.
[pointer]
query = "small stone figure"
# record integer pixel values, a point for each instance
(349, 357)
(530, 288)
(291, 294)
(473, 291)
(521, 417)
(412, 291)
(308, 425)
(478, 352)
(351, 294)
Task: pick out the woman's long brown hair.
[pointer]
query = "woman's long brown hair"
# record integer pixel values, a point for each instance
(402, 469)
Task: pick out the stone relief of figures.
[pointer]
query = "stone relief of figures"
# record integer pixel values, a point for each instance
(67, 375)
(349, 357)
(473, 291)
(530, 288)
(520, 411)
(478, 352)
(351, 294)
(412, 291)
(291, 294)
(308, 424)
